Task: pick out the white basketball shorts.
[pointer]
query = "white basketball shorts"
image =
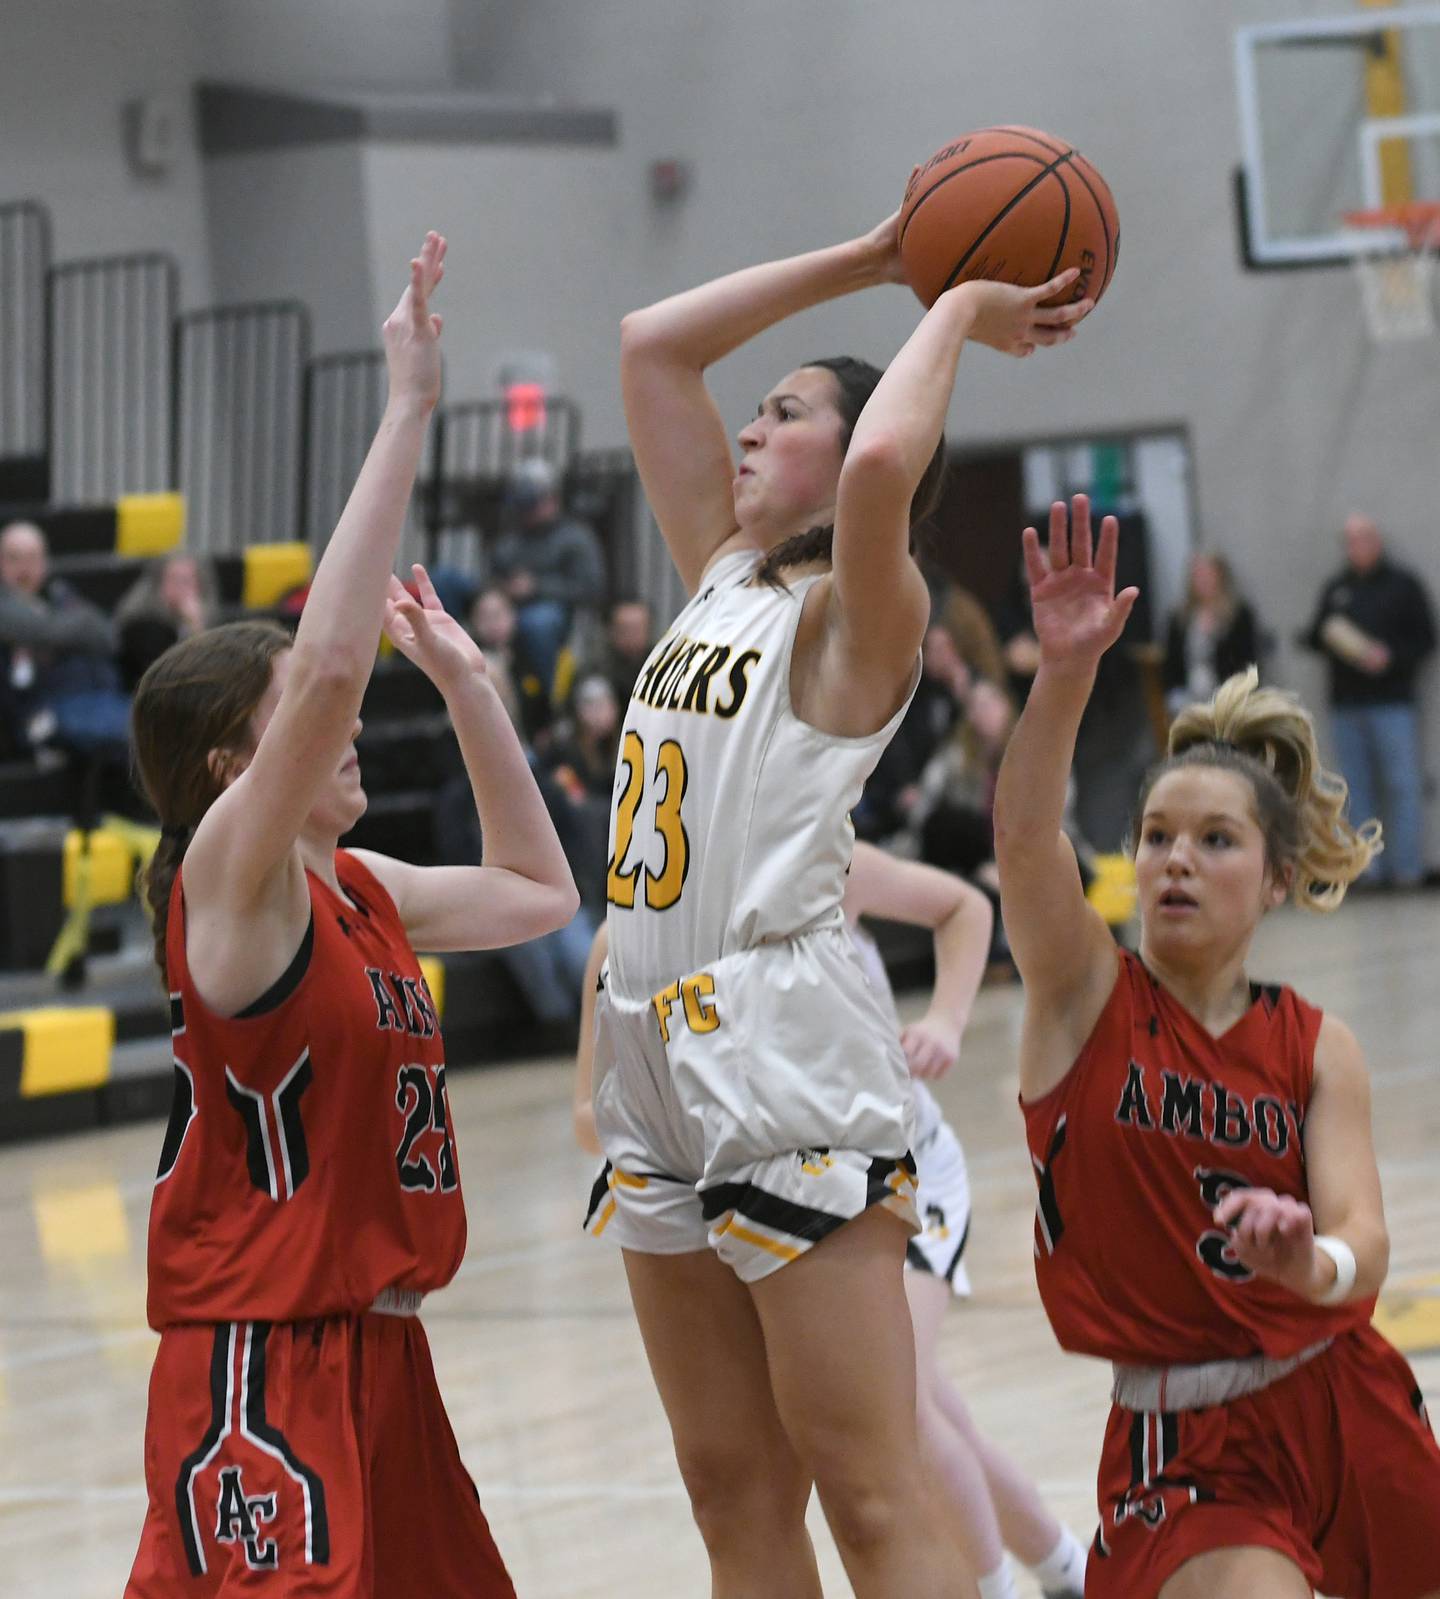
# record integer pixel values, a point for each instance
(753, 1107)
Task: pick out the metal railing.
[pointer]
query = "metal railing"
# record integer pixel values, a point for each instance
(344, 401)
(239, 387)
(24, 262)
(110, 329)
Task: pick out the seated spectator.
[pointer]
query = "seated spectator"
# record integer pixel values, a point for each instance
(549, 970)
(550, 565)
(580, 764)
(629, 638)
(1015, 629)
(171, 600)
(954, 806)
(492, 626)
(60, 682)
(974, 633)
(890, 795)
(1210, 637)
(576, 774)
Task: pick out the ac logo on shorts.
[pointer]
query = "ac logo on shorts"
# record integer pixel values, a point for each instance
(239, 1519)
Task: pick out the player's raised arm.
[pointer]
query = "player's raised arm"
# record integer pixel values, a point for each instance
(681, 446)
(1063, 949)
(248, 834)
(524, 887)
(882, 600)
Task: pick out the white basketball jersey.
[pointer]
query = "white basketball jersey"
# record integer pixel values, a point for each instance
(730, 817)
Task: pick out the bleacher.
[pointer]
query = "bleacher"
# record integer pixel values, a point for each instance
(129, 428)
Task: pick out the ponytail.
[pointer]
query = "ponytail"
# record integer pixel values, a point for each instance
(1268, 737)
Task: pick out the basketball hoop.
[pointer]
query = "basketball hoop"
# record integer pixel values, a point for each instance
(1396, 250)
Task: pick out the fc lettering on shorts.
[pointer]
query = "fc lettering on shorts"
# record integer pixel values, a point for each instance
(695, 995)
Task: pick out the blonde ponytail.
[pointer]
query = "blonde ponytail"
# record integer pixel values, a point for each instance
(1267, 735)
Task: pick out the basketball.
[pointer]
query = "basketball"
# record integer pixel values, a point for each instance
(1011, 204)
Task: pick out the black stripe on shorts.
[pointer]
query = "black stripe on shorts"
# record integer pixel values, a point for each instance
(783, 1215)
(598, 1192)
(220, 1351)
(877, 1184)
(259, 1427)
(959, 1251)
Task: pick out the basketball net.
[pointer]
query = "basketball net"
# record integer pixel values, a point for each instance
(1397, 249)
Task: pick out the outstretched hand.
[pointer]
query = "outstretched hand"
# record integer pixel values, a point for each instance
(1016, 321)
(1272, 1234)
(1077, 613)
(412, 330)
(426, 634)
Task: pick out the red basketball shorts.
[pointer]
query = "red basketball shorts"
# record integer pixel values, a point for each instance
(307, 1460)
(1334, 1466)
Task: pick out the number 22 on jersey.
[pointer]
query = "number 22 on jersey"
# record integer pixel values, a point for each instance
(662, 888)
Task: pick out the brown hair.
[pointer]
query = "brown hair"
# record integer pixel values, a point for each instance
(1266, 736)
(1229, 598)
(198, 697)
(855, 382)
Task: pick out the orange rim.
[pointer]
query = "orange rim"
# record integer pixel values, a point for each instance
(1418, 219)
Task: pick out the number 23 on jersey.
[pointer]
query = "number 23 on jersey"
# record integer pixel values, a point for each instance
(662, 888)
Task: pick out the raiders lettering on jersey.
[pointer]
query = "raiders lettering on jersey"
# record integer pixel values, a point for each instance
(679, 677)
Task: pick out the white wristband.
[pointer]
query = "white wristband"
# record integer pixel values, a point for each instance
(1344, 1257)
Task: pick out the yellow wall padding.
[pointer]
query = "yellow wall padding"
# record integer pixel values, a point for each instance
(65, 1047)
(111, 867)
(149, 524)
(1113, 891)
(272, 570)
(434, 974)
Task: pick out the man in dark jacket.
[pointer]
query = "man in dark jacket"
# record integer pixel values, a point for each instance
(58, 678)
(1375, 625)
(549, 564)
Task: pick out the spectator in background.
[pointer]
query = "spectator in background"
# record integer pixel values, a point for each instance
(1016, 630)
(575, 775)
(1375, 624)
(974, 633)
(580, 764)
(550, 565)
(172, 599)
(1210, 637)
(887, 806)
(629, 638)
(954, 806)
(492, 626)
(58, 677)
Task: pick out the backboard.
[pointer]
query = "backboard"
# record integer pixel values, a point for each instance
(1337, 114)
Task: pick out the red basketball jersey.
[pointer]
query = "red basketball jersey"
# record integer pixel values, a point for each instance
(309, 1162)
(1153, 1124)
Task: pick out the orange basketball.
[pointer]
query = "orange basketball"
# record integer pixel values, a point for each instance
(1012, 204)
